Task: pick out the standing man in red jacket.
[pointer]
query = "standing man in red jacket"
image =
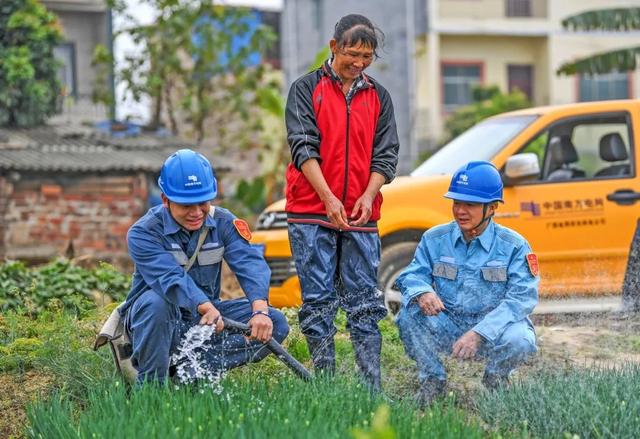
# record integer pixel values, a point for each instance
(344, 146)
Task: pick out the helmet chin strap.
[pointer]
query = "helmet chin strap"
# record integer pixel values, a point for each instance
(475, 232)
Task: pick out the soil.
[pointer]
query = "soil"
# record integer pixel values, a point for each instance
(17, 392)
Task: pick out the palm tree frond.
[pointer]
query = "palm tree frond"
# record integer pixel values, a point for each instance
(619, 19)
(618, 60)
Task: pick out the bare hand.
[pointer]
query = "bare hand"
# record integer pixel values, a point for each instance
(335, 212)
(467, 346)
(210, 316)
(261, 328)
(430, 304)
(363, 205)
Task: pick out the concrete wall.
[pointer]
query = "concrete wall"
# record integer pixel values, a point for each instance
(42, 214)
(84, 30)
(478, 31)
(485, 9)
(85, 24)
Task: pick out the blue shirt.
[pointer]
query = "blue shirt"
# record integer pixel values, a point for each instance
(160, 248)
(487, 281)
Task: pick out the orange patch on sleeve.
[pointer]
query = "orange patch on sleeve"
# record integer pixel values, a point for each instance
(532, 260)
(243, 228)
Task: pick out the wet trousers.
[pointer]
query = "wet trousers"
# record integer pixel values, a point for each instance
(156, 327)
(339, 269)
(425, 337)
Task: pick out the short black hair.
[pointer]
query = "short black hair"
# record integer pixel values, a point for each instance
(355, 28)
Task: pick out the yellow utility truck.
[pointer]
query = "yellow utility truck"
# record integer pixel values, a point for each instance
(571, 189)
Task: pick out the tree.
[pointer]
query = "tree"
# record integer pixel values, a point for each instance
(620, 19)
(201, 80)
(487, 101)
(29, 87)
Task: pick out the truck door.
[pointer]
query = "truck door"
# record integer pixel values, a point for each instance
(580, 213)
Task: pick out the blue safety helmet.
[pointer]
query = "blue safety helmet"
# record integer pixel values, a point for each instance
(476, 182)
(186, 177)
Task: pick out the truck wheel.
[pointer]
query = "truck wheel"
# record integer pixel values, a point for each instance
(393, 260)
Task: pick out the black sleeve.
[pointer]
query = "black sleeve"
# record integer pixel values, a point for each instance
(385, 143)
(302, 131)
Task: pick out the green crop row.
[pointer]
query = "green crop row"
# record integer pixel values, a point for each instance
(60, 281)
(595, 402)
(247, 408)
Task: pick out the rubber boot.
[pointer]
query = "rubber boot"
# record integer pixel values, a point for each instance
(367, 353)
(323, 355)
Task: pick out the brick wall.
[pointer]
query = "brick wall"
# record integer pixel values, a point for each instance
(87, 217)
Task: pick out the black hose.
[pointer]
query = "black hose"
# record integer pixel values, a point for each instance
(275, 347)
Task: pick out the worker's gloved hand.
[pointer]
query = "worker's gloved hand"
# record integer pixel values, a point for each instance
(430, 304)
(261, 327)
(210, 316)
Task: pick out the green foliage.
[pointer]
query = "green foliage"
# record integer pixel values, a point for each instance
(320, 58)
(75, 288)
(487, 101)
(586, 403)
(189, 70)
(325, 408)
(56, 343)
(29, 88)
(616, 20)
(102, 62)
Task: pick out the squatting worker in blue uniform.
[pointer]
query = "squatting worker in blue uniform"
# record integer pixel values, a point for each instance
(344, 147)
(470, 288)
(165, 300)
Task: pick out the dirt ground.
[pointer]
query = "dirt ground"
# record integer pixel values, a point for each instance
(587, 340)
(16, 391)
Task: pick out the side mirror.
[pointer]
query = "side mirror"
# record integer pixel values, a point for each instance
(521, 167)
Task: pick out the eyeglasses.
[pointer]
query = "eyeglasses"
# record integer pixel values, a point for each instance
(366, 58)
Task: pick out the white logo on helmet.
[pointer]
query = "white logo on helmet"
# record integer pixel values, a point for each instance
(193, 181)
(463, 179)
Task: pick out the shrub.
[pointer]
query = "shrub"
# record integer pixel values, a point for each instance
(76, 288)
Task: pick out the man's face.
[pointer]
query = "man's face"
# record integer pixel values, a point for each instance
(469, 215)
(349, 62)
(189, 216)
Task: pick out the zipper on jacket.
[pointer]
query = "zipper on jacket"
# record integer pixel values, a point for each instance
(346, 155)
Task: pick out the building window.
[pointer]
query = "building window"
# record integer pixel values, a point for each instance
(65, 54)
(521, 77)
(458, 81)
(606, 86)
(518, 8)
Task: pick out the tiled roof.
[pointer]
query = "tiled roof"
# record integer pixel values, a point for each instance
(82, 150)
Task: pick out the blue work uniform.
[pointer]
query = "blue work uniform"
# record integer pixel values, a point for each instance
(486, 286)
(163, 302)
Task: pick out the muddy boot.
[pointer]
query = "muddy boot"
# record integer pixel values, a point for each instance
(430, 390)
(323, 355)
(494, 381)
(367, 353)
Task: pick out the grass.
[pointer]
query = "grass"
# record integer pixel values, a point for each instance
(596, 402)
(249, 408)
(77, 393)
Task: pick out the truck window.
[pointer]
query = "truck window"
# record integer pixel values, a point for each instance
(480, 142)
(584, 148)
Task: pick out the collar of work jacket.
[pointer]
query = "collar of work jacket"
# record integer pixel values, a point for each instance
(170, 226)
(485, 239)
(360, 83)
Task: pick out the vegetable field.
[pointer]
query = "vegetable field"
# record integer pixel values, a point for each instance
(55, 386)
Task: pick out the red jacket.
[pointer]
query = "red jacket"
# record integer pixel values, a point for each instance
(349, 140)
